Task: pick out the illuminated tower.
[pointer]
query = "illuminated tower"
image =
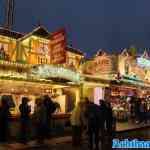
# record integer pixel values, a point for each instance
(9, 16)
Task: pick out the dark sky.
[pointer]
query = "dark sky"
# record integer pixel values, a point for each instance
(91, 24)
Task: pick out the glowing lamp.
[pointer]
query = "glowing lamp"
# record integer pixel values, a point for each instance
(98, 94)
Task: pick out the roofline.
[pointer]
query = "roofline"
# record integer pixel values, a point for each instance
(82, 53)
(12, 31)
(31, 33)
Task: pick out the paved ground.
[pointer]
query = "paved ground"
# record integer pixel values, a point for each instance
(61, 146)
(64, 143)
(64, 146)
(124, 126)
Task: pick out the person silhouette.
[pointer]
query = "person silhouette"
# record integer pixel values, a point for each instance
(4, 119)
(25, 110)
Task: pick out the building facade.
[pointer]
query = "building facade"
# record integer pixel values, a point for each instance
(27, 69)
(40, 63)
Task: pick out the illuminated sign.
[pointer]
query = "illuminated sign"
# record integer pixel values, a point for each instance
(58, 46)
(105, 64)
(50, 71)
(143, 62)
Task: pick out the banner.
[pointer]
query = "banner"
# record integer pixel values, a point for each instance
(58, 47)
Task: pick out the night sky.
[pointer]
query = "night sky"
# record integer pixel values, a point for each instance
(91, 24)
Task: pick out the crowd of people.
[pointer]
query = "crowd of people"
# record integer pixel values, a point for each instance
(86, 117)
(41, 118)
(139, 110)
(94, 120)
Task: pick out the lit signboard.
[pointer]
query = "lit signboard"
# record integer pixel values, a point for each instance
(143, 62)
(51, 71)
(58, 47)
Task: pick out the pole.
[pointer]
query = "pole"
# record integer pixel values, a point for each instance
(9, 14)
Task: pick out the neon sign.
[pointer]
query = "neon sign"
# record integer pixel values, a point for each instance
(143, 62)
(51, 71)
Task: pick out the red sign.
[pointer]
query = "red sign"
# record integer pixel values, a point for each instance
(58, 47)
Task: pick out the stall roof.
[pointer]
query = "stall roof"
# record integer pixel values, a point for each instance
(74, 50)
(39, 31)
(10, 33)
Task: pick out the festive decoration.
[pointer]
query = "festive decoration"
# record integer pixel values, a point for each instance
(51, 71)
(143, 62)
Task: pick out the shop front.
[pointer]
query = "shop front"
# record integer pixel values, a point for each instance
(123, 93)
(94, 88)
(61, 84)
(98, 74)
(39, 63)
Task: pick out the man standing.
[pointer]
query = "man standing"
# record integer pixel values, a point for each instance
(4, 119)
(50, 108)
(94, 116)
(25, 110)
(109, 119)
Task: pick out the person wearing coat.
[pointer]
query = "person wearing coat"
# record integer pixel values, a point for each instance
(40, 120)
(76, 123)
(25, 110)
(5, 116)
(94, 121)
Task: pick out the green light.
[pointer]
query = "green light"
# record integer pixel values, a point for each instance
(142, 62)
(51, 71)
